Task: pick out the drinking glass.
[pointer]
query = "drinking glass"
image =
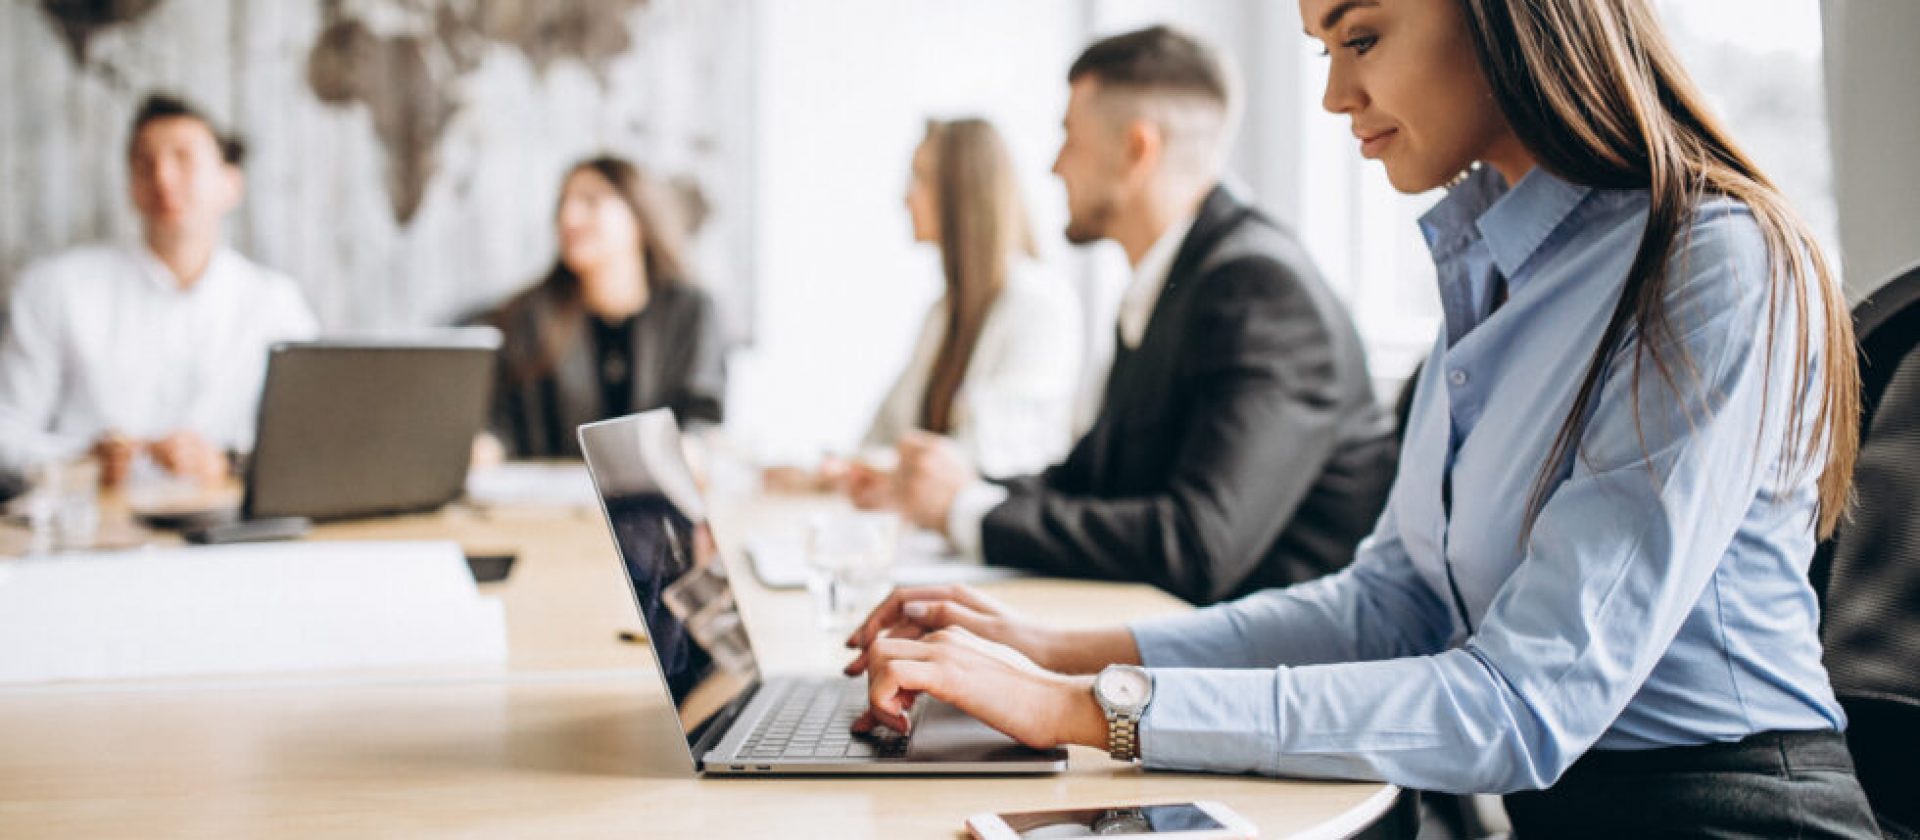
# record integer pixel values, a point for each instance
(850, 564)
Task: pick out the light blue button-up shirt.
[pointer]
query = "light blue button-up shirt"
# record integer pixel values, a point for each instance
(1661, 596)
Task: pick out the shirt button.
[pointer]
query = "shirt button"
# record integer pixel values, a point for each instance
(1458, 377)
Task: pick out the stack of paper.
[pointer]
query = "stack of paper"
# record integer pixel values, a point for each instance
(244, 609)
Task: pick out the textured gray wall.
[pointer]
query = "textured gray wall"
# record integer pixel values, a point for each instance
(422, 185)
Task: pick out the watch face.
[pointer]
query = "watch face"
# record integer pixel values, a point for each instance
(1126, 688)
(1125, 822)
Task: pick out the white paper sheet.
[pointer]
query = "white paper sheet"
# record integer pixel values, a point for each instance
(244, 609)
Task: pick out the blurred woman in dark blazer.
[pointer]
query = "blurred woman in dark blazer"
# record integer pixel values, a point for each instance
(615, 327)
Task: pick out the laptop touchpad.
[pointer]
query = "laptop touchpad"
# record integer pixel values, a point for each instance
(944, 733)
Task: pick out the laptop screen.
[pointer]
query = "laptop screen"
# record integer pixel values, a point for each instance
(659, 524)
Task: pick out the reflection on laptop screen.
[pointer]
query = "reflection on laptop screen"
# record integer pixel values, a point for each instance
(659, 526)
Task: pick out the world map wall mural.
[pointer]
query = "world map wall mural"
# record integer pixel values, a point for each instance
(404, 80)
(78, 20)
(405, 155)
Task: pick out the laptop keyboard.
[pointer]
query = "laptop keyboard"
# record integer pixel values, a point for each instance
(811, 719)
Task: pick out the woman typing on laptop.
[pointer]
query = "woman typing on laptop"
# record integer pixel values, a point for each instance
(1589, 584)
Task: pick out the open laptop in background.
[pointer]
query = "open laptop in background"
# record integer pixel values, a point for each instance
(735, 720)
(353, 427)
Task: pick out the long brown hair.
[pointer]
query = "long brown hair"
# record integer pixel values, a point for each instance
(983, 223)
(1595, 92)
(662, 249)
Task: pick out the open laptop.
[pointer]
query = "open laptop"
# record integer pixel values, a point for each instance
(735, 720)
(351, 427)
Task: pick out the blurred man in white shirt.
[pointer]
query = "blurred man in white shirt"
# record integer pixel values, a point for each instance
(156, 348)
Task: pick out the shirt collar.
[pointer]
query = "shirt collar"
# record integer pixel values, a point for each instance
(1513, 222)
(1142, 295)
(162, 277)
(1153, 268)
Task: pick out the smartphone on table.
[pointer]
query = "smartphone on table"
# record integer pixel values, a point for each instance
(1174, 821)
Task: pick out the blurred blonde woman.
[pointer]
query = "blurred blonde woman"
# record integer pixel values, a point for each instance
(999, 353)
(998, 356)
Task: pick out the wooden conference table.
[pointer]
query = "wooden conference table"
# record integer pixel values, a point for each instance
(572, 737)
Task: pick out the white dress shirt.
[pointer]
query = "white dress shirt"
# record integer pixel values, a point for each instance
(975, 501)
(1149, 278)
(1012, 413)
(103, 338)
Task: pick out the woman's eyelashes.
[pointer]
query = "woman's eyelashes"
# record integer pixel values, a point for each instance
(1360, 44)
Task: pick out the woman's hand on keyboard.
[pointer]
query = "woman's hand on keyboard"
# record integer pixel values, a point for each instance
(985, 679)
(913, 612)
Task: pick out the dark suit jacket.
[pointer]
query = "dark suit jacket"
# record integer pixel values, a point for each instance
(1239, 446)
(677, 363)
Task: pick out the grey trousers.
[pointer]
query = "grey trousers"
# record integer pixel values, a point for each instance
(1772, 785)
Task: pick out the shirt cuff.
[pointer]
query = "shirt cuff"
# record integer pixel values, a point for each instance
(969, 511)
(1218, 720)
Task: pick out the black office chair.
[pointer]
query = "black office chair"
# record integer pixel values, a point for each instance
(1868, 575)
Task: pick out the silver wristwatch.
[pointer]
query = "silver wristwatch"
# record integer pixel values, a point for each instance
(1123, 692)
(1122, 822)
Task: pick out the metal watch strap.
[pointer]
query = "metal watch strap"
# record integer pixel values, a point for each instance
(1123, 736)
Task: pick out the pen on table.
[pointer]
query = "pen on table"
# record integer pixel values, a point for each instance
(632, 637)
